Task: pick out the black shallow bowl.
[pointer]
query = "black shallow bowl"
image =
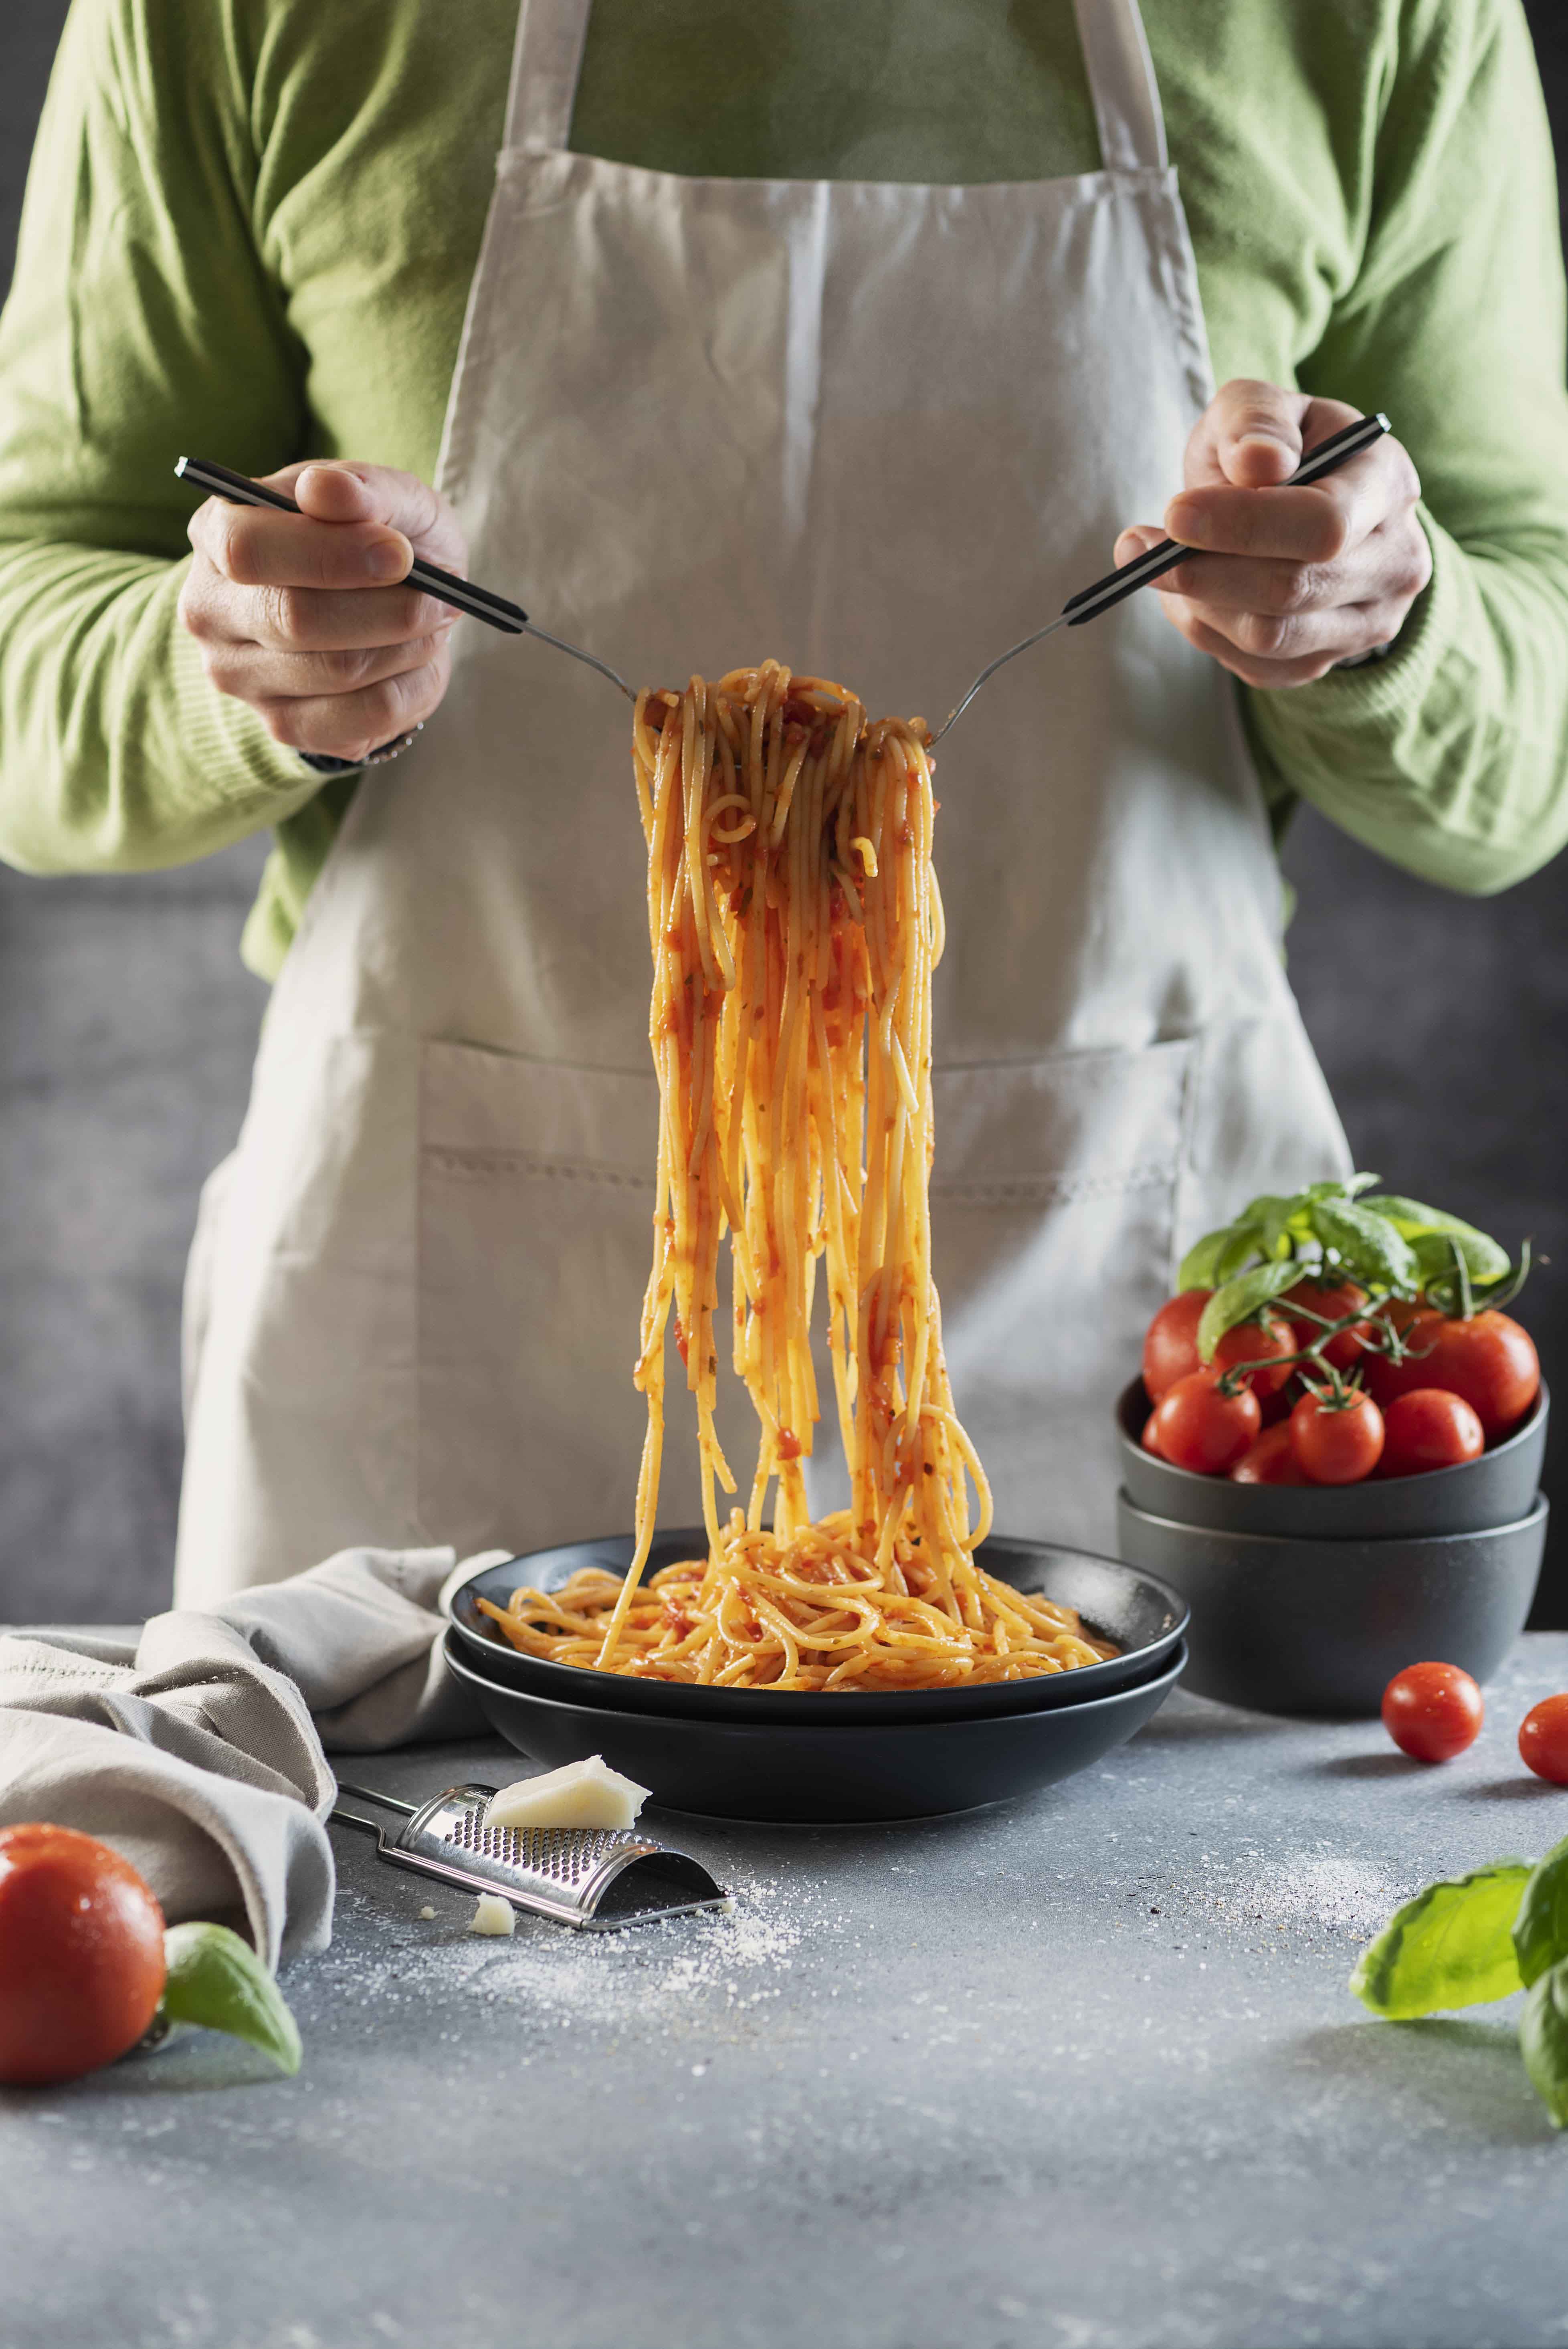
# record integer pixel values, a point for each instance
(1322, 1627)
(827, 1772)
(1498, 1489)
(1143, 1615)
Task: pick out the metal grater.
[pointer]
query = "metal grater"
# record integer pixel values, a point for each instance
(595, 1879)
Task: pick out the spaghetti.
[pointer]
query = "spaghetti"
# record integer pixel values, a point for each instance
(796, 922)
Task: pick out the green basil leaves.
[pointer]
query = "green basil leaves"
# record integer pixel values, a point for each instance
(217, 1980)
(1479, 1937)
(1331, 1231)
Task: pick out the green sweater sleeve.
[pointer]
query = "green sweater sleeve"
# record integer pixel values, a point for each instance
(1450, 757)
(122, 343)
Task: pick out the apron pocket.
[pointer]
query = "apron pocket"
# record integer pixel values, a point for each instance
(1052, 1232)
(535, 1210)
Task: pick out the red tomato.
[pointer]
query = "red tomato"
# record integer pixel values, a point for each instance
(1432, 1712)
(1148, 1439)
(1490, 1359)
(1428, 1428)
(1336, 1443)
(1543, 1740)
(1170, 1349)
(1198, 1427)
(1343, 1351)
(1383, 1379)
(1272, 1460)
(81, 1955)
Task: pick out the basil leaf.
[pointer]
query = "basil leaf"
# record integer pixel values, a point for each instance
(1437, 1236)
(1367, 1246)
(1200, 1265)
(1360, 1183)
(1237, 1298)
(1543, 2040)
(218, 1981)
(1451, 1945)
(1541, 1927)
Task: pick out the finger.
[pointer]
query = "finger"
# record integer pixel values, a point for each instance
(259, 677)
(1250, 435)
(1315, 524)
(1268, 652)
(351, 725)
(1394, 559)
(307, 619)
(255, 546)
(352, 492)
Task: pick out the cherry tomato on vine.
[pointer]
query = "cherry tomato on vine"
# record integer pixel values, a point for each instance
(1198, 1426)
(1170, 1349)
(1432, 1712)
(81, 1955)
(1333, 1304)
(1490, 1359)
(1270, 1460)
(1428, 1429)
(1337, 1441)
(1149, 1441)
(1543, 1740)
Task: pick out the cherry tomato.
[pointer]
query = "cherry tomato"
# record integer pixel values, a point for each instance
(1428, 1428)
(1336, 1443)
(1432, 1712)
(1170, 1349)
(1148, 1439)
(1543, 1740)
(1346, 1351)
(1270, 1460)
(81, 1955)
(1383, 1379)
(1490, 1359)
(1198, 1427)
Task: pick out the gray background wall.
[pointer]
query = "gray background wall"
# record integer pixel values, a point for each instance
(127, 1026)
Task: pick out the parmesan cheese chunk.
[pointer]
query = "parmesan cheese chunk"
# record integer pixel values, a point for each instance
(584, 1795)
(492, 1915)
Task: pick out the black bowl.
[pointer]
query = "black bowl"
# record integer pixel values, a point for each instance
(1142, 1615)
(1322, 1627)
(826, 1771)
(1498, 1489)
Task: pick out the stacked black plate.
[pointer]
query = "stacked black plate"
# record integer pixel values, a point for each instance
(753, 1754)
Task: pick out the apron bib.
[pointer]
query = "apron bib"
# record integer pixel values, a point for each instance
(876, 431)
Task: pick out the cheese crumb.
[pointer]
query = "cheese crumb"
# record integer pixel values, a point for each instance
(427, 1913)
(492, 1915)
(583, 1795)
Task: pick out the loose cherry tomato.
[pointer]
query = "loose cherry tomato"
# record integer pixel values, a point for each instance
(1148, 1439)
(1270, 1460)
(1346, 1351)
(1428, 1428)
(81, 1955)
(1170, 1349)
(1432, 1712)
(1336, 1443)
(1543, 1740)
(1196, 1426)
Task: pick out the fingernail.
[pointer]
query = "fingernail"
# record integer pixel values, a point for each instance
(1187, 520)
(385, 560)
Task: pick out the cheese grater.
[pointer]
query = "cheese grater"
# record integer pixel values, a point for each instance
(595, 1879)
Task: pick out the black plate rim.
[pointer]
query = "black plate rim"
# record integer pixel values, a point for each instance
(956, 1704)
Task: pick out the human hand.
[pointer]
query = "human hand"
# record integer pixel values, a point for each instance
(301, 615)
(1290, 582)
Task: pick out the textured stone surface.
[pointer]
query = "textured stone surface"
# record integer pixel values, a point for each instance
(1081, 2073)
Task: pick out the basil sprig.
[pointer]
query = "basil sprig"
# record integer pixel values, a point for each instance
(1469, 1940)
(1333, 1231)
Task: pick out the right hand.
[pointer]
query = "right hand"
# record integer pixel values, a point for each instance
(298, 614)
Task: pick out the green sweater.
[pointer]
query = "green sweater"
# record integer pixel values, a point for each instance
(250, 229)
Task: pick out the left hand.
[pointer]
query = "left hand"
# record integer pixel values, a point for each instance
(1289, 582)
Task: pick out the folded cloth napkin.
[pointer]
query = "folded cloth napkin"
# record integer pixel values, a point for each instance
(198, 1749)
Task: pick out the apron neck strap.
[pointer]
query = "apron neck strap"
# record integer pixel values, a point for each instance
(545, 62)
(548, 56)
(1122, 85)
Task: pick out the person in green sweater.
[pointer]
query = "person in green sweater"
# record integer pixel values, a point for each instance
(252, 230)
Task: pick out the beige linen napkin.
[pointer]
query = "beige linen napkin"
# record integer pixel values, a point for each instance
(198, 1749)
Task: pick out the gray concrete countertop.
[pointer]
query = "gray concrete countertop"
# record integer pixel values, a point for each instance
(1080, 2072)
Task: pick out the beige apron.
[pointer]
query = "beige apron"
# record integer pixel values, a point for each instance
(876, 431)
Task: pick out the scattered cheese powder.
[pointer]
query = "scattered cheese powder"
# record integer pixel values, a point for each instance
(583, 1795)
(492, 1915)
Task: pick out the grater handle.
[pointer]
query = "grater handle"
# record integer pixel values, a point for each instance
(369, 1794)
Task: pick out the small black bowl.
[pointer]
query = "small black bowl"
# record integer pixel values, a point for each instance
(1322, 1627)
(830, 1771)
(1498, 1489)
(1143, 1616)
